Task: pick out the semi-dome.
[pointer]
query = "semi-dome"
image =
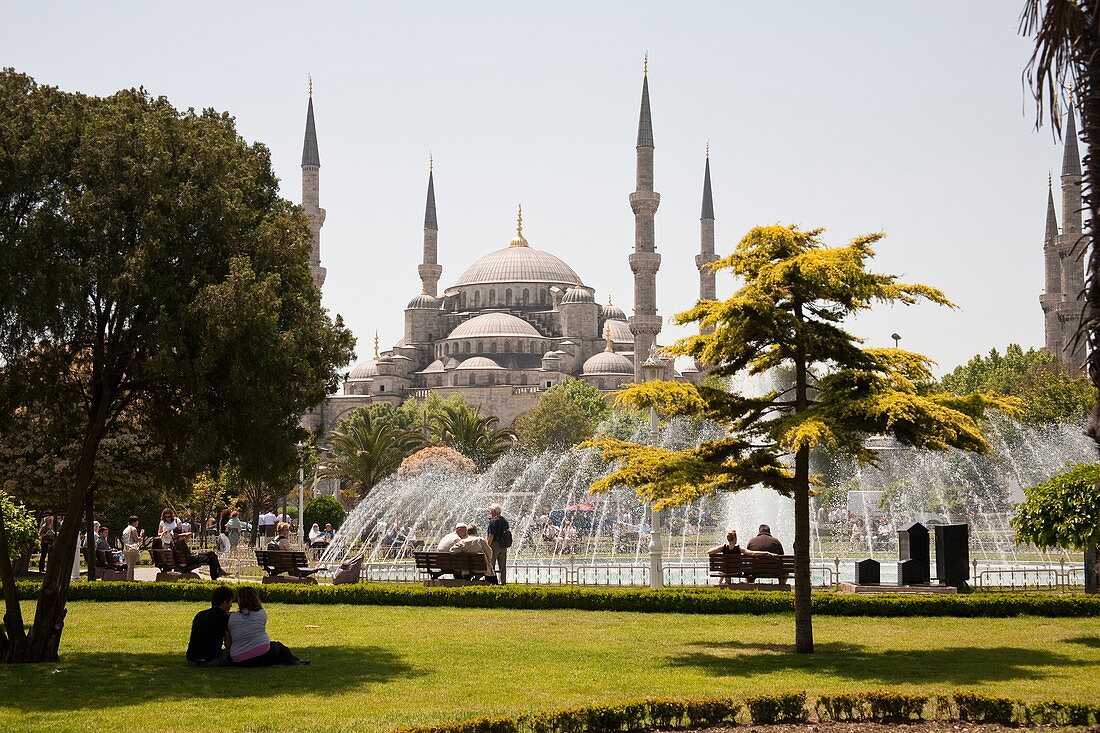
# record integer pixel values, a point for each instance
(436, 367)
(577, 294)
(619, 332)
(518, 265)
(365, 370)
(608, 362)
(613, 312)
(494, 324)
(423, 301)
(479, 362)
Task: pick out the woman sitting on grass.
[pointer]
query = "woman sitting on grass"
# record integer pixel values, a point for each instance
(732, 548)
(247, 639)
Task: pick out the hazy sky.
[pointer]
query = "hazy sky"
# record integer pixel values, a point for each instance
(905, 117)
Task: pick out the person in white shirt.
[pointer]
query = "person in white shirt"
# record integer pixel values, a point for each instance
(449, 539)
(167, 527)
(131, 545)
(473, 544)
(266, 528)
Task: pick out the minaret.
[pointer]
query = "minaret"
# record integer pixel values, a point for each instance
(430, 269)
(706, 241)
(311, 199)
(1070, 244)
(645, 324)
(1052, 281)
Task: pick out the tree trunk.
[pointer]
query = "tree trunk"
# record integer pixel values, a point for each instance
(1092, 569)
(803, 609)
(13, 637)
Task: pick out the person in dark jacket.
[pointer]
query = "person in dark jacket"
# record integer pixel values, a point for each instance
(205, 648)
(764, 542)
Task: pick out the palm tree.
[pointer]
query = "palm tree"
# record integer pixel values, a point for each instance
(472, 434)
(1067, 56)
(367, 449)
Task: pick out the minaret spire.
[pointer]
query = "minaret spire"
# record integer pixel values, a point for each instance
(1069, 245)
(311, 197)
(1052, 218)
(706, 254)
(645, 324)
(430, 269)
(1071, 158)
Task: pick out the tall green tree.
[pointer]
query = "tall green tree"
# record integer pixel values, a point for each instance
(565, 414)
(472, 434)
(1067, 56)
(797, 294)
(367, 448)
(1047, 394)
(1064, 512)
(149, 270)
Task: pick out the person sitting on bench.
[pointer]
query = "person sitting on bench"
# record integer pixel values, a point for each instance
(732, 548)
(281, 543)
(472, 543)
(186, 562)
(208, 630)
(103, 544)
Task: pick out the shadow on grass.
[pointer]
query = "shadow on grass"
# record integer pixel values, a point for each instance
(952, 665)
(112, 679)
(1089, 641)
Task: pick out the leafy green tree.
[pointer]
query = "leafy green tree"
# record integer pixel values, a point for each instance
(1067, 46)
(1047, 394)
(366, 449)
(797, 293)
(322, 510)
(472, 434)
(149, 273)
(20, 528)
(210, 494)
(422, 413)
(1064, 512)
(565, 414)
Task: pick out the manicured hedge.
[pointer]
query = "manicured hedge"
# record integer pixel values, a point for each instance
(669, 600)
(877, 706)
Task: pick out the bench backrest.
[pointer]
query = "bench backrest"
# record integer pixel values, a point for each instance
(164, 559)
(281, 560)
(758, 566)
(468, 562)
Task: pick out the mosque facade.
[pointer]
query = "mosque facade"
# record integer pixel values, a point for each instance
(518, 320)
(1064, 282)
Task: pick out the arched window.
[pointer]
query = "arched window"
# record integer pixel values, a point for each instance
(492, 297)
(480, 347)
(508, 296)
(462, 299)
(492, 378)
(507, 347)
(542, 296)
(473, 379)
(526, 296)
(477, 299)
(493, 347)
(466, 348)
(447, 349)
(534, 347)
(519, 346)
(430, 336)
(523, 378)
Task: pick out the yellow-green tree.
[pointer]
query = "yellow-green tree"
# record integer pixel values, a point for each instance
(790, 313)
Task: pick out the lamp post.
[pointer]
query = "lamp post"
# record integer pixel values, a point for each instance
(301, 494)
(653, 369)
(896, 338)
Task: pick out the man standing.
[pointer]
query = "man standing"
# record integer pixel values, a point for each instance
(267, 526)
(208, 631)
(131, 545)
(500, 539)
(449, 540)
(764, 542)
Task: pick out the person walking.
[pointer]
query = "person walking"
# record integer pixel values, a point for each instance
(131, 545)
(233, 531)
(46, 537)
(499, 536)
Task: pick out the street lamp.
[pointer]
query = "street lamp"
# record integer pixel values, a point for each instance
(896, 338)
(653, 369)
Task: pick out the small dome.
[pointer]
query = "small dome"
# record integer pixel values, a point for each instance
(365, 370)
(613, 312)
(423, 302)
(618, 331)
(479, 362)
(436, 367)
(451, 363)
(577, 294)
(494, 324)
(608, 362)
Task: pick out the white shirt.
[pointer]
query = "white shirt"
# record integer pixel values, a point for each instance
(248, 632)
(447, 541)
(130, 538)
(166, 531)
(266, 519)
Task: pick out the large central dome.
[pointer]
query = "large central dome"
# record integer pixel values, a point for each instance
(518, 265)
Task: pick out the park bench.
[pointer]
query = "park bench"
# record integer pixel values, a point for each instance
(291, 562)
(106, 568)
(751, 567)
(467, 567)
(165, 562)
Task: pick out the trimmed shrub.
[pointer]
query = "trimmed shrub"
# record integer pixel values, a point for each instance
(323, 509)
(978, 708)
(782, 708)
(841, 708)
(711, 712)
(895, 707)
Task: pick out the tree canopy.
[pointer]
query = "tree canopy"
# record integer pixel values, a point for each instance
(790, 312)
(368, 446)
(1046, 393)
(1063, 511)
(565, 414)
(150, 274)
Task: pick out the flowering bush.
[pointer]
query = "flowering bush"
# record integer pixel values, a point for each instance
(435, 458)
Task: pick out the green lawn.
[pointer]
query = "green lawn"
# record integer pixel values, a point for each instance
(375, 668)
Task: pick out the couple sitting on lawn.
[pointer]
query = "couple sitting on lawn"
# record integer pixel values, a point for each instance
(243, 634)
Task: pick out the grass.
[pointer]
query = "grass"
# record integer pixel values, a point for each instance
(378, 667)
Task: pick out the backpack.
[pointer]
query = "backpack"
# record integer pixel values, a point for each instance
(505, 540)
(273, 546)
